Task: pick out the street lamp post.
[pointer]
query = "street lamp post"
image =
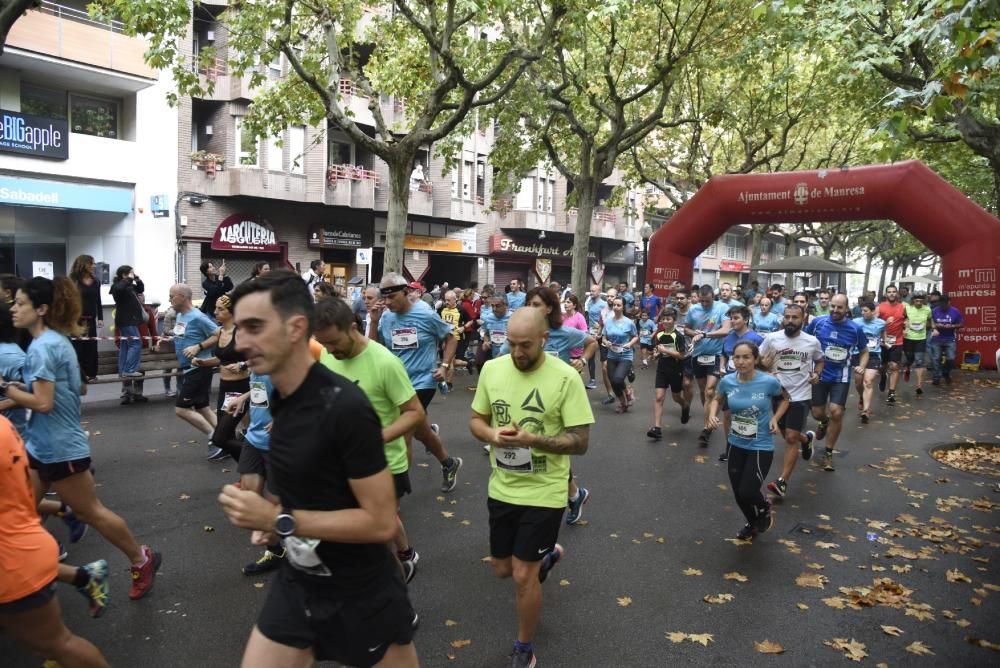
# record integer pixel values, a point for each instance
(646, 231)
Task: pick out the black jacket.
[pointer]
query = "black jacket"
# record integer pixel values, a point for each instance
(214, 290)
(128, 310)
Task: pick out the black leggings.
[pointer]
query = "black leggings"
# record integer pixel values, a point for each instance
(617, 372)
(747, 470)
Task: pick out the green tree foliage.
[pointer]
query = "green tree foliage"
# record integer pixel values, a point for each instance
(440, 58)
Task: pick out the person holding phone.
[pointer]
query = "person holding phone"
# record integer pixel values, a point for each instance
(129, 314)
(215, 285)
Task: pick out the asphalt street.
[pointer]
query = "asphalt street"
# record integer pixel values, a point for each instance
(656, 541)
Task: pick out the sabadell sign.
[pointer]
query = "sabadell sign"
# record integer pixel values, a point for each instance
(245, 232)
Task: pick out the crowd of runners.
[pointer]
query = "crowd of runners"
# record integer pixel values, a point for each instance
(320, 399)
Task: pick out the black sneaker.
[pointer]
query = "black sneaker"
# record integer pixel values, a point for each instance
(126, 399)
(522, 658)
(821, 427)
(216, 454)
(766, 520)
(703, 438)
(267, 562)
(409, 570)
(655, 433)
(140, 399)
(807, 447)
(724, 455)
(891, 398)
(919, 390)
(631, 376)
(550, 560)
(747, 532)
(864, 418)
(450, 474)
(685, 414)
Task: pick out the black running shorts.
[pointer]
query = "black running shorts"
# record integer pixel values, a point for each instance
(796, 415)
(194, 388)
(354, 631)
(58, 470)
(835, 393)
(672, 377)
(526, 532)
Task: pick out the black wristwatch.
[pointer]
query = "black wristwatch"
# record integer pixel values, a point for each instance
(3, 388)
(284, 524)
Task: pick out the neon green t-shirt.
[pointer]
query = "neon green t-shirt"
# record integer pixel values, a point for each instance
(547, 401)
(382, 377)
(916, 322)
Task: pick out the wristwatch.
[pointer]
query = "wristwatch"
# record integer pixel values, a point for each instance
(445, 365)
(284, 524)
(3, 388)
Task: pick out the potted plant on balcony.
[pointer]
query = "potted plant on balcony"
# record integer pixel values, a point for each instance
(210, 162)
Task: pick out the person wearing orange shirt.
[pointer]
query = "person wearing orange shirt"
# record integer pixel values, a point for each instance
(893, 311)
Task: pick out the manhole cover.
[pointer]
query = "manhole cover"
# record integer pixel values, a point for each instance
(979, 458)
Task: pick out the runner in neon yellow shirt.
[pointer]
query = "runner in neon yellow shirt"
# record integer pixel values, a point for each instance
(918, 321)
(383, 378)
(533, 410)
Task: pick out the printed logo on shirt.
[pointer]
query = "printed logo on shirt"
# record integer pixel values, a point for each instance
(501, 413)
(533, 402)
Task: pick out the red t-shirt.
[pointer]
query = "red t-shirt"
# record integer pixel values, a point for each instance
(898, 314)
(29, 556)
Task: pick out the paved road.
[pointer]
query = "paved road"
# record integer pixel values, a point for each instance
(657, 510)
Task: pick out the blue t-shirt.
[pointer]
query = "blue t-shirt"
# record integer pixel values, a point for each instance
(952, 316)
(628, 300)
(594, 311)
(515, 300)
(12, 370)
(729, 343)
(765, 324)
(494, 330)
(873, 334)
(836, 340)
(414, 337)
(651, 304)
(732, 302)
(778, 307)
(618, 333)
(709, 320)
(750, 404)
(646, 329)
(190, 329)
(561, 341)
(261, 391)
(55, 436)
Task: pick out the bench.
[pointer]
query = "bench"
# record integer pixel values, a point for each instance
(164, 361)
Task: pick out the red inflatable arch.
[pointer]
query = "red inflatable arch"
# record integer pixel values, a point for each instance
(965, 236)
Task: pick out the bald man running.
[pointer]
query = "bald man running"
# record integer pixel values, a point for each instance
(533, 410)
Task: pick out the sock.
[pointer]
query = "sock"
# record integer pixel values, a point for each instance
(275, 548)
(524, 646)
(82, 578)
(405, 555)
(575, 497)
(446, 464)
(145, 559)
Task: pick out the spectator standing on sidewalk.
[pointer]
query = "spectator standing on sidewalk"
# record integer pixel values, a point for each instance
(215, 285)
(91, 319)
(129, 314)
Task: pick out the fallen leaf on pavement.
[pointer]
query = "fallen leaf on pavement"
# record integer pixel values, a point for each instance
(703, 638)
(700, 459)
(718, 598)
(955, 575)
(692, 571)
(624, 601)
(802, 606)
(459, 644)
(905, 568)
(816, 580)
(919, 648)
(768, 647)
(184, 497)
(739, 577)
(853, 650)
(818, 567)
(564, 583)
(258, 585)
(892, 630)
(985, 644)
(838, 557)
(676, 636)
(446, 514)
(208, 529)
(835, 602)
(921, 615)
(450, 622)
(826, 546)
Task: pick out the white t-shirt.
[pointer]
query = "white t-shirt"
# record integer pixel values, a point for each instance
(794, 360)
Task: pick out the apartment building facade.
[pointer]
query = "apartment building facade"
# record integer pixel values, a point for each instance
(85, 167)
(315, 194)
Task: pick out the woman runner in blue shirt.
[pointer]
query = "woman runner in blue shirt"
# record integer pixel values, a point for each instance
(748, 394)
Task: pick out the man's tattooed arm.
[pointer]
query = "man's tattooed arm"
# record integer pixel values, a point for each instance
(573, 441)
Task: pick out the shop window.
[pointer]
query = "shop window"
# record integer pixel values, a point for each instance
(93, 116)
(274, 157)
(297, 148)
(246, 146)
(39, 101)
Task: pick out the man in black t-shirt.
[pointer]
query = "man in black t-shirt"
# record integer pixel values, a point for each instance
(670, 347)
(340, 595)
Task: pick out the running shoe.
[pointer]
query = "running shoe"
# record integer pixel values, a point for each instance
(575, 508)
(126, 399)
(807, 447)
(724, 455)
(140, 398)
(77, 529)
(409, 570)
(891, 399)
(821, 427)
(766, 520)
(216, 453)
(655, 432)
(522, 658)
(63, 554)
(265, 563)
(861, 404)
(779, 487)
(864, 417)
(408, 555)
(609, 400)
(828, 460)
(171, 393)
(703, 438)
(450, 474)
(486, 449)
(631, 375)
(591, 384)
(747, 532)
(550, 560)
(919, 390)
(906, 375)
(142, 576)
(96, 589)
(685, 414)
(645, 364)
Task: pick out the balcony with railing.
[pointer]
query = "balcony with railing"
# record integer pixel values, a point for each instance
(248, 181)
(71, 34)
(351, 185)
(603, 223)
